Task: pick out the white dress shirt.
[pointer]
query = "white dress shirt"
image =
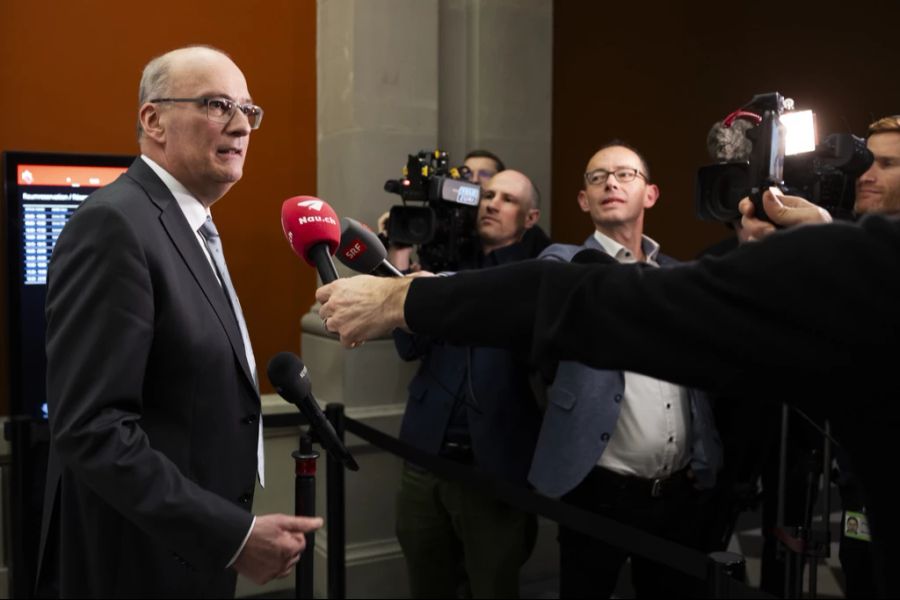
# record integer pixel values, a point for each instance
(651, 437)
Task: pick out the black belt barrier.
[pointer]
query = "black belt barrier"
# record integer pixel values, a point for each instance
(717, 568)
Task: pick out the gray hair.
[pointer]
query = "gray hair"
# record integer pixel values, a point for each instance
(156, 75)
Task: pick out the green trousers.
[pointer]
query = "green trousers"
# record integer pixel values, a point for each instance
(460, 543)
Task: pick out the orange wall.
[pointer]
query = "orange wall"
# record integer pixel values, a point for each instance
(660, 76)
(70, 73)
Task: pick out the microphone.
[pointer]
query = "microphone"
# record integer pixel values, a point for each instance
(311, 228)
(290, 378)
(362, 251)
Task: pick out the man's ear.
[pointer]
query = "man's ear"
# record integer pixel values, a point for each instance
(651, 195)
(531, 217)
(583, 201)
(151, 123)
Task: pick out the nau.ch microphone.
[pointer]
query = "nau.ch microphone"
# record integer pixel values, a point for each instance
(312, 229)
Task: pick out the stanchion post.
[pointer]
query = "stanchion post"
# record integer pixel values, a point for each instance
(305, 506)
(336, 510)
(722, 569)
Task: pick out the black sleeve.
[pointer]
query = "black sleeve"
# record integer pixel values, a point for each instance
(795, 307)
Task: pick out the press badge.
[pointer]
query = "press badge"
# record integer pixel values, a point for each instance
(856, 526)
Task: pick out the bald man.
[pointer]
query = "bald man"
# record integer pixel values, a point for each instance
(151, 381)
(474, 406)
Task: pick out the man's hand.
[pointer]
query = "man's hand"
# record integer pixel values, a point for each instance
(363, 307)
(274, 546)
(785, 211)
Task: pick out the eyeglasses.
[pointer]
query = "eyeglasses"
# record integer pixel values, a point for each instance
(482, 174)
(221, 110)
(622, 175)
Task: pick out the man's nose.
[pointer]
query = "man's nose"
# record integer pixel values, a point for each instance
(868, 176)
(239, 124)
(492, 204)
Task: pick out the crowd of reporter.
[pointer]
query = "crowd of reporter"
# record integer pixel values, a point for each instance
(615, 441)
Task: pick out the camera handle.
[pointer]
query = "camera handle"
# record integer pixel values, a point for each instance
(766, 159)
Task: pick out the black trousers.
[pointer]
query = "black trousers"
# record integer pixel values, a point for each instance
(589, 568)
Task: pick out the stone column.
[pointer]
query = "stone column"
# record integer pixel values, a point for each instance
(396, 77)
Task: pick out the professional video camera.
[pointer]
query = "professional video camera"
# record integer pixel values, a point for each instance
(824, 174)
(443, 227)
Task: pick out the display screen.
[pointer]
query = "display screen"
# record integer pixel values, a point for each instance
(42, 190)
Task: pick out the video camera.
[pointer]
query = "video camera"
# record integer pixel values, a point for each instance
(825, 174)
(443, 227)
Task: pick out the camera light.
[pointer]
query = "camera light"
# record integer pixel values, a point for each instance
(800, 132)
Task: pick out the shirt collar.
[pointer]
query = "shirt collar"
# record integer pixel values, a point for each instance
(193, 209)
(649, 246)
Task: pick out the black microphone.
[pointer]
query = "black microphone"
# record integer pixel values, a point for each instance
(290, 377)
(362, 251)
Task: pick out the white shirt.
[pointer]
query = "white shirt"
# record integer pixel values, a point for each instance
(196, 213)
(651, 438)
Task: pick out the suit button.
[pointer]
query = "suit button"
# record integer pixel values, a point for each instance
(604, 436)
(617, 398)
(246, 499)
(249, 419)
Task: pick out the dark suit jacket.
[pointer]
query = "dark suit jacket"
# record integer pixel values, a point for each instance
(583, 410)
(153, 410)
(504, 417)
(808, 316)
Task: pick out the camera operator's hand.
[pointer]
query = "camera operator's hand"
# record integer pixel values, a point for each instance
(399, 256)
(785, 211)
(402, 258)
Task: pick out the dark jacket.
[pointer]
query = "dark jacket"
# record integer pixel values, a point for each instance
(502, 416)
(808, 316)
(153, 409)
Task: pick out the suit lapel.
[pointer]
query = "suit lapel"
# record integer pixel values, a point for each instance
(592, 242)
(187, 245)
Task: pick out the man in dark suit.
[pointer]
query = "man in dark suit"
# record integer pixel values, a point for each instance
(153, 398)
(475, 406)
(624, 445)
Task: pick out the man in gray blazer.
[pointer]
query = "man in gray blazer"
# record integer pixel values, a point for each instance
(624, 445)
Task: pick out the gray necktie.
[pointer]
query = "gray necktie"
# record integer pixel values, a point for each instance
(214, 244)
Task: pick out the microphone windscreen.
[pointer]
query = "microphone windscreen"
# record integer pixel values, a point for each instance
(307, 222)
(287, 372)
(360, 248)
(729, 144)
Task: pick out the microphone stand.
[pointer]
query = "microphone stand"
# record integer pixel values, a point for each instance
(305, 506)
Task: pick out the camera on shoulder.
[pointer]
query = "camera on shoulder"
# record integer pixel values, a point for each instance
(438, 212)
(767, 143)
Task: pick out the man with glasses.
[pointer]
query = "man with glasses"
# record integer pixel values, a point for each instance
(151, 380)
(618, 443)
(481, 165)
